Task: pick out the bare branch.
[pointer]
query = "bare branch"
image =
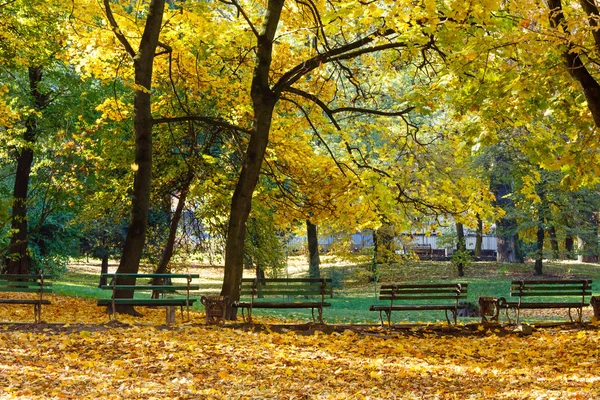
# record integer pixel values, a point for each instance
(341, 53)
(243, 13)
(207, 120)
(116, 30)
(318, 135)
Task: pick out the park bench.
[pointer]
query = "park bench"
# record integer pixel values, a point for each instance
(547, 294)
(291, 293)
(35, 284)
(420, 250)
(169, 294)
(447, 297)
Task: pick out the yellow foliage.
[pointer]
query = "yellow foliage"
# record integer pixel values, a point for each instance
(86, 358)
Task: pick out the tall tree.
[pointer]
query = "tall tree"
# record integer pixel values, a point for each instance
(143, 65)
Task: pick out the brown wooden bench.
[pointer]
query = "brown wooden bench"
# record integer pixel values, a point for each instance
(170, 295)
(291, 293)
(570, 294)
(420, 250)
(417, 297)
(35, 284)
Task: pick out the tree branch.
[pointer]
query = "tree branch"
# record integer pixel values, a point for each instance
(207, 120)
(116, 30)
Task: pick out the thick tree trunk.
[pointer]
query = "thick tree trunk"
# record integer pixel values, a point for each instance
(263, 100)
(478, 238)
(18, 259)
(143, 61)
(313, 250)
(587, 241)
(461, 245)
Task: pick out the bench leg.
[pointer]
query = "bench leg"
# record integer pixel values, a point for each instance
(36, 313)
(320, 314)
(579, 315)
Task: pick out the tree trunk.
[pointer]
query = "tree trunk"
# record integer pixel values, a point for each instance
(539, 252)
(170, 245)
(104, 268)
(554, 243)
(18, 259)
(572, 56)
(569, 247)
(313, 250)
(263, 101)
(143, 61)
(461, 246)
(588, 240)
(478, 238)
(374, 266)
(506, 228)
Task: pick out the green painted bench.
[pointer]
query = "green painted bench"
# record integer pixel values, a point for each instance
(418, 297)
(170, 294)
(285, 293)
(570, 294)
(35, 284)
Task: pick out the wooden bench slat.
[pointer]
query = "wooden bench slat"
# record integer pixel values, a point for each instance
(151, 302)
(287, 280)
(24, 301)
(263, 304)
(25, 290)
(423, 286)
(417, 298)
(417, 307)
(551, 294)
(552, 281)
(150, 287)
(142, 276)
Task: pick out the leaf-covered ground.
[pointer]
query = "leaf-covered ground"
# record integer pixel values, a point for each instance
(87, 357)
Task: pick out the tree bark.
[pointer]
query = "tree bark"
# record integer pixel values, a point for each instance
(103, 268)
(461, 246)
(313, 250)
(554, 242)
(588, 240)
(572, 57)
(167, 254)
(539, 250)
(263, 101)
(143, 61)
(18, 259)
(569, 247)
(506, 229)
(478, 238)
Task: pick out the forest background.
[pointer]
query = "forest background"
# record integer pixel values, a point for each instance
(152, 131)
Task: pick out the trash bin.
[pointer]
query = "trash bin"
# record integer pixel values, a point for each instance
(215, 308)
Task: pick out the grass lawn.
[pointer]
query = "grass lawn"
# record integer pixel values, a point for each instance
(353, 293)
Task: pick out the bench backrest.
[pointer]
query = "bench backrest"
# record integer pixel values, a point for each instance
(286, 287)
(425, 292)
(149, 282)
(557, 288)
(419, 249)
(32, 283)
